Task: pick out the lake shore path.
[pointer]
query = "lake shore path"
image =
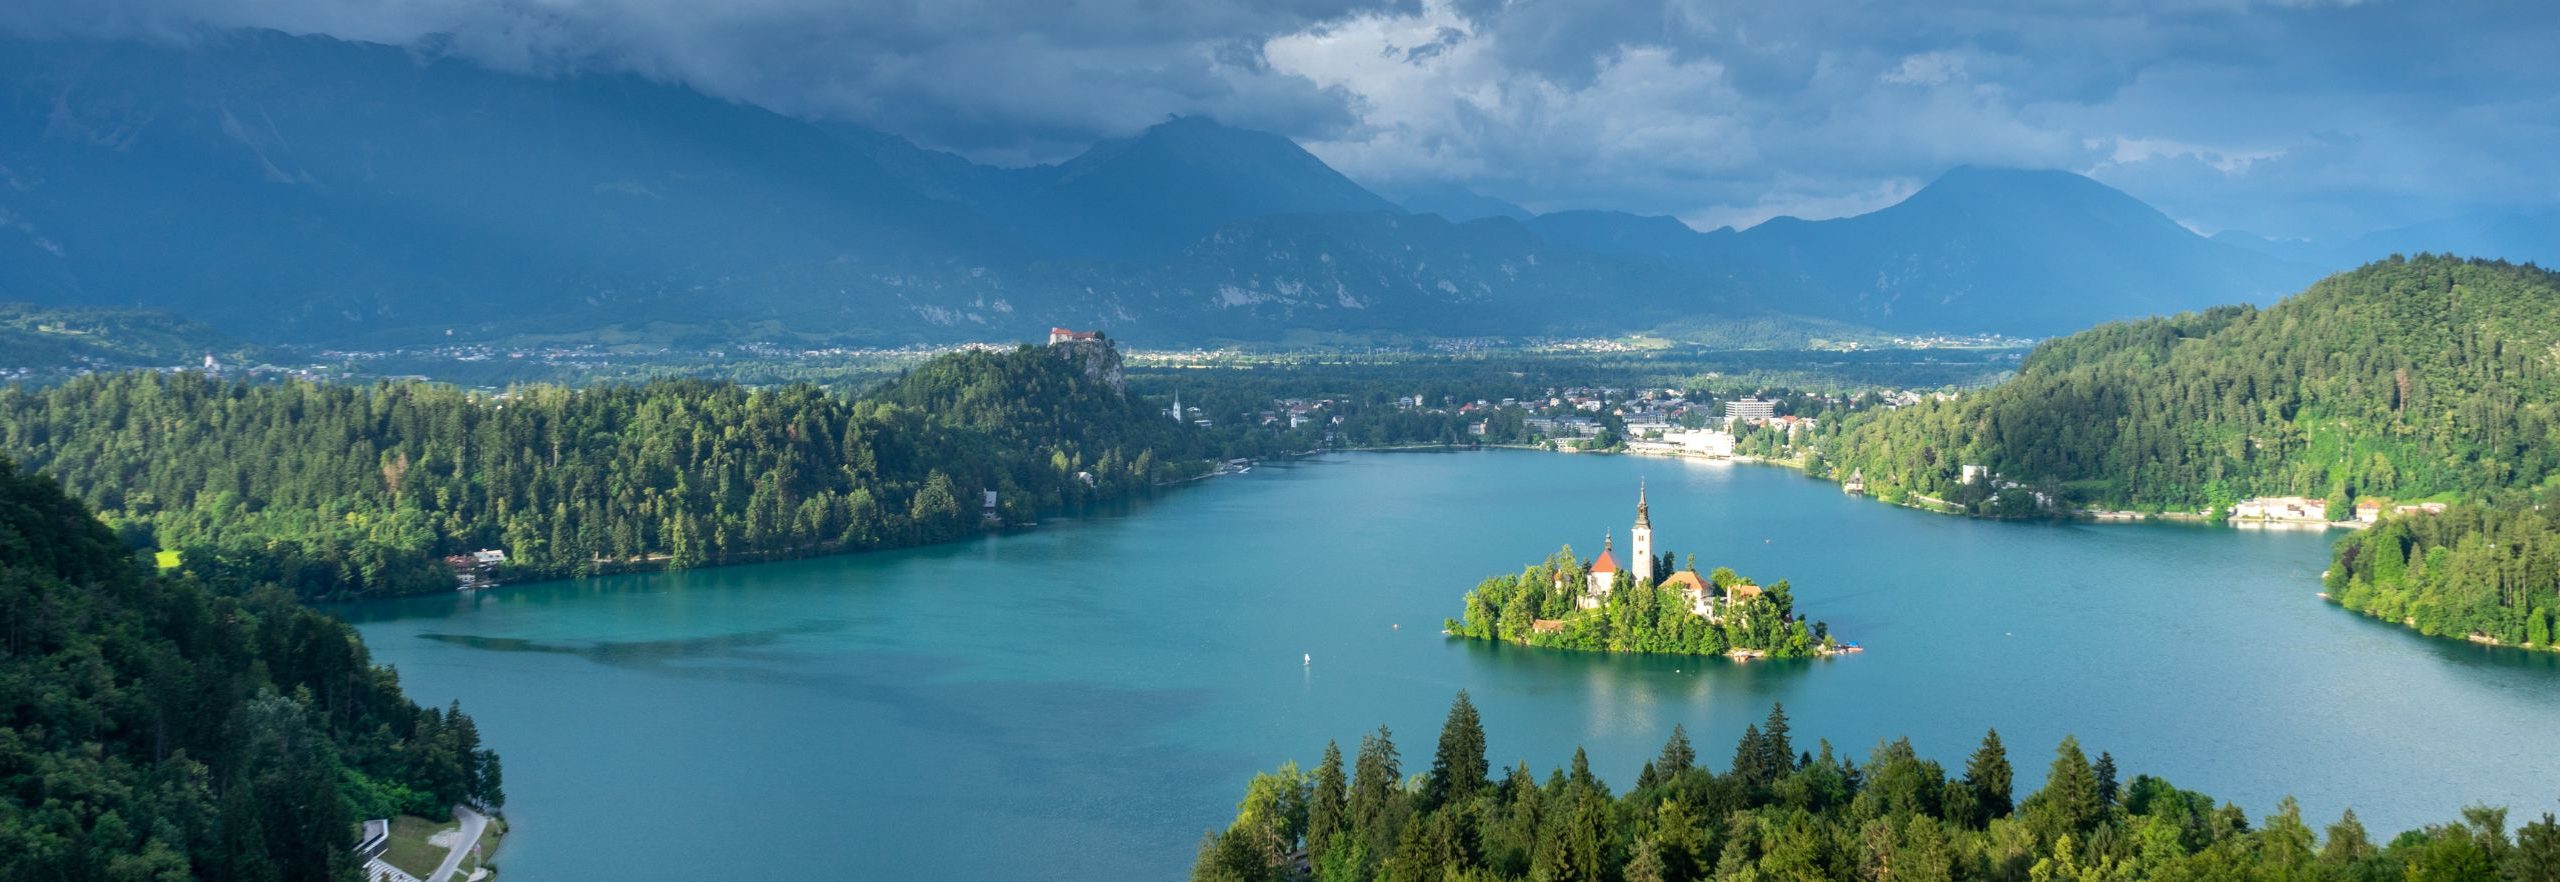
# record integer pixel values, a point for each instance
(472, 823)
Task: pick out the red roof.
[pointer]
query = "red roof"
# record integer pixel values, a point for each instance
(1604, 563)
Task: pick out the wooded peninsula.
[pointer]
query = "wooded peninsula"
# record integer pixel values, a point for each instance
(2419, 378)
(338, 492)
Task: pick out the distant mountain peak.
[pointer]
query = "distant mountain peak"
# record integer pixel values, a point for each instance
(1179, 179)
(1973, 183)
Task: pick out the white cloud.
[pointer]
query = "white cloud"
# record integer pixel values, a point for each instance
(1810, 200)
(2122, 150)
(1926, 69)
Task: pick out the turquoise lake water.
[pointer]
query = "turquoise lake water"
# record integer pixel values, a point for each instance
(1082, 700)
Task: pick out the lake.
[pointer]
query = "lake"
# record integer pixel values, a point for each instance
(1082, 700)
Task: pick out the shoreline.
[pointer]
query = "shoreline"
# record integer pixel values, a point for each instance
(2474, 638)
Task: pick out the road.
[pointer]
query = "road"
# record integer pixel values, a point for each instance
(472, 823)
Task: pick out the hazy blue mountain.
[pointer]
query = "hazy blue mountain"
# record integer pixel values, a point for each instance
(306, 189)
(2520, 237)
(1166, 187)
(2514, 236)
(1457, 202)
(1384, 272)
(2034, 252)
(1621, 233)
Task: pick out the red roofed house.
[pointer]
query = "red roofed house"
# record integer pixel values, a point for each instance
(1063, 335)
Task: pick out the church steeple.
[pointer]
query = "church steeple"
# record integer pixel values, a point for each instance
(1640, 539)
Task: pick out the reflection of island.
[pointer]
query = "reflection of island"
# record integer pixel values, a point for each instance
(1604, 607)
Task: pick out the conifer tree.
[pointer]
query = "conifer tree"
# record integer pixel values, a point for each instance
(1988, 775)
(1376, 803)
(1677, 756)
(1459, 767)
(1746, 755)
(2106, 772)
(1778, 755)
(2069, 800)
(1327, 807)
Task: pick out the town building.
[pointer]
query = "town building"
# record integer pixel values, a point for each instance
(1065, 335)
(1749, 410)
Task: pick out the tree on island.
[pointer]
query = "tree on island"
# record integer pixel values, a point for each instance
(1543, 606)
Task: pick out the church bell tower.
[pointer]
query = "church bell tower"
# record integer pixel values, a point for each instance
(1640, 539)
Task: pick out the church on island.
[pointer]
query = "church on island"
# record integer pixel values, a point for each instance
(1702, 596)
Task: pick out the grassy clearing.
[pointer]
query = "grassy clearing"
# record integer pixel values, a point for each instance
(409, 848)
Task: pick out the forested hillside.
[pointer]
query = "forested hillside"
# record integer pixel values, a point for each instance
(338, 491)
(1783, 812)
(152, 730)
(2475, 570)
(36, 337)
(2405, 378)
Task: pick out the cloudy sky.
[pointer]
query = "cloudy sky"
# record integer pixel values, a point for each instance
(2291, 117)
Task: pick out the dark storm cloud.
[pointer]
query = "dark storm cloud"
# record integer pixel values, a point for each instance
(2292, 118)
(1007, 80)
(2295, 117)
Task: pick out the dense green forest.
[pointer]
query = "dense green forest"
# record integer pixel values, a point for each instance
(2474, 570)
(1778, 813)
(2406, 378)
(151, 729)
(1632, 618)
(344, 491)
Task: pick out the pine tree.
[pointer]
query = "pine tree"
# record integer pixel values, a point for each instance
(1326, 809)
(1988, 775)
(1746, 755)
(2106, 772)
(1377, 806)
(1458, 768)
(1677, 756)
(2070, 794)
(1778, 756)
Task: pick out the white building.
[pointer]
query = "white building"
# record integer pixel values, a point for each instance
(1749, 410)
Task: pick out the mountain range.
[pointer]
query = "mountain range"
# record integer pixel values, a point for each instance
(305, 189)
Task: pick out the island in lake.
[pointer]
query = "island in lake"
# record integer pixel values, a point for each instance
(1601, 606)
